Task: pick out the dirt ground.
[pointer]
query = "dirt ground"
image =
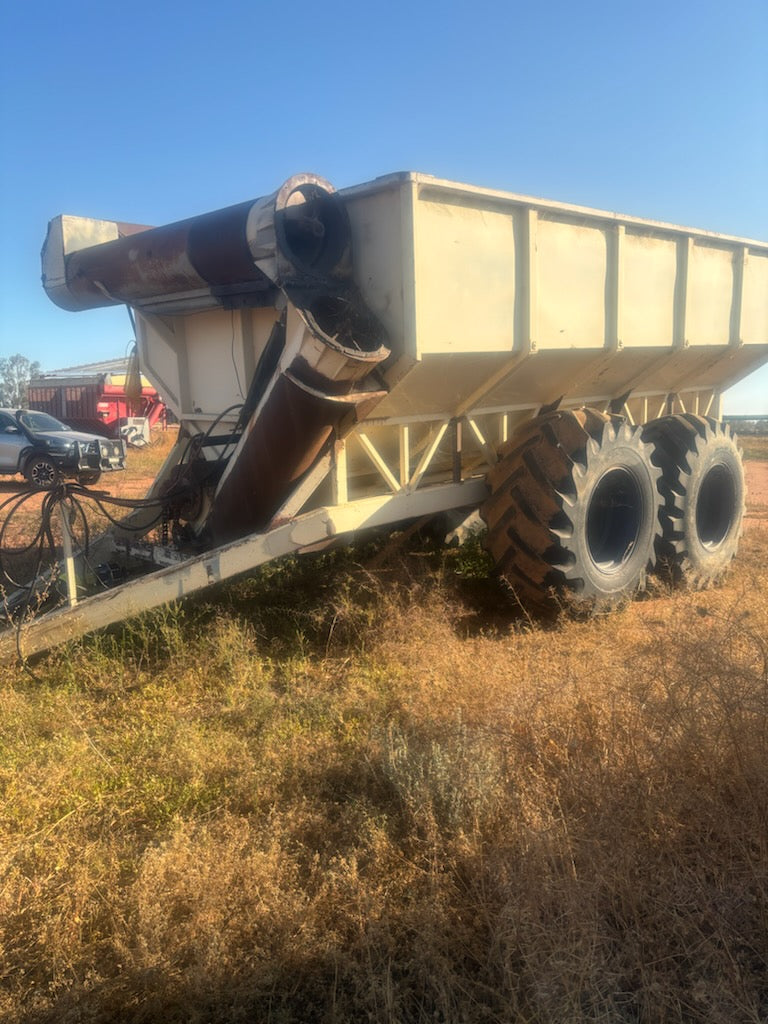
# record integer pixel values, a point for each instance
(757, 491)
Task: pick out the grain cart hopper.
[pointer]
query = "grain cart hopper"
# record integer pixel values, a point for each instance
(412, 346)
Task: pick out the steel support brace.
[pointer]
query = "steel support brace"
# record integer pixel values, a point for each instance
(406, 483)
(66, 509)
(235, 559)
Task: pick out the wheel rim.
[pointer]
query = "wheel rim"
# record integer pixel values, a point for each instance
(715, 506)
(614, 519)
(43, 474)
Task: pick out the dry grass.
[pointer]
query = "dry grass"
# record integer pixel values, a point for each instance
(754, 446)
(337, 795)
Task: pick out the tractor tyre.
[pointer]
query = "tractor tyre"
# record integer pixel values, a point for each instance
(573, 510)
(702, 482)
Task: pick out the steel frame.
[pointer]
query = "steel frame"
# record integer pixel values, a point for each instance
(411, 489)
(223, 563)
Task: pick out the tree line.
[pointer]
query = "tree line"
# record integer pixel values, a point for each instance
(15, 375)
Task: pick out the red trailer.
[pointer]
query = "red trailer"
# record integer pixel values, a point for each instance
(94, 398)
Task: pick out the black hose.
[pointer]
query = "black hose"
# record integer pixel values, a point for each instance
(75, 494)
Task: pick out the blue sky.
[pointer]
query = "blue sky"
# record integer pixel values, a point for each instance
(150, 112)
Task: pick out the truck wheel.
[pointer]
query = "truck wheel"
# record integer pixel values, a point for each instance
(574, 510)
(41, 473)
(704, 494)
